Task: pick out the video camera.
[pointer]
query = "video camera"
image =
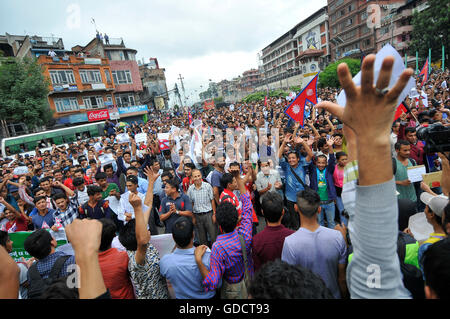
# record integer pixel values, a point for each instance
(436, 137)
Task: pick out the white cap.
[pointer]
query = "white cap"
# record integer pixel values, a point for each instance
(436, 203)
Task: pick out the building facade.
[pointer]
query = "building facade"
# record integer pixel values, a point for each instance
(250, 79)
(21, 46)
(153, 78)
(126, 77)
(80, 88)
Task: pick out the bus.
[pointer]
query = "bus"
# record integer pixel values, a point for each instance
(26, 144)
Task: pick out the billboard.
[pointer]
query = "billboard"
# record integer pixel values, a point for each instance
(159, 103)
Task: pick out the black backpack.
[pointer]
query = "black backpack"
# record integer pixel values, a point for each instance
(37, 284)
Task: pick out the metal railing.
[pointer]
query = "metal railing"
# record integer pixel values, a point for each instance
(114, 41)
(46, 42)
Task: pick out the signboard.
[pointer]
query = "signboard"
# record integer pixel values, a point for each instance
(133, 109)
(98, 86)
(98, 115)
(18, 239)
(141, 137)
(123, 138)
(77, 118)
(92, 61)
(433, 179)
(159, 103)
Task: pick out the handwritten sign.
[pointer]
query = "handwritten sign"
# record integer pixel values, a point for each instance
(141, 137)
(415, 173)
(123, 138)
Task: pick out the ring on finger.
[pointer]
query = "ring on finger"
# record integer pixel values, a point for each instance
(382, 92)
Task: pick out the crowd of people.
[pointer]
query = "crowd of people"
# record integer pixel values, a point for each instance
(277, 210)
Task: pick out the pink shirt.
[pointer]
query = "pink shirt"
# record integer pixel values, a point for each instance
(338, 177)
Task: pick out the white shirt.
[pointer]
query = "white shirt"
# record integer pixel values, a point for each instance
(126, 206)
(82, 196)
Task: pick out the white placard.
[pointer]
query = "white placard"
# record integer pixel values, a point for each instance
(114, 204)
(98, 146)
(163, 243)
(419, 227)
(21, 170)
(123, 138)
(415, 173)
(106, 159)
(141, 137)
(397, 70)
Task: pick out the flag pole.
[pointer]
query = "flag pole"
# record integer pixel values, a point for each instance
(417, 62)
(443, 58)
(429, 61)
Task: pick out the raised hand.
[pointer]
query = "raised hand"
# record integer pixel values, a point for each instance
(135, 200)
(151, 176)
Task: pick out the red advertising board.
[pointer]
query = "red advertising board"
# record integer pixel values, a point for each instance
(98, 115)
(208, 105)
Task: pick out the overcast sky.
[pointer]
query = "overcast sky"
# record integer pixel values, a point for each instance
(201, 39)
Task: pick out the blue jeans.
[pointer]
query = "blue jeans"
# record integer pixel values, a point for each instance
(340, 206)
(327, 210)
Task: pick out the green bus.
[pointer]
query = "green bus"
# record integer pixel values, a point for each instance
(26, 144)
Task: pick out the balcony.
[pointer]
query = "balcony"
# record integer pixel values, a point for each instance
(49, 42)
(403, 30)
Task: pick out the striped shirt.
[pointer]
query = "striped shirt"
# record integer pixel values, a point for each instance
(70, 214)
(226, 255)
(201, 198)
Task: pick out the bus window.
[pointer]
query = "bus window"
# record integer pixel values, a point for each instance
(58, 140)
(68, 138)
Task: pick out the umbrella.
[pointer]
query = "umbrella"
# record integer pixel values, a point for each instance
(122, 124)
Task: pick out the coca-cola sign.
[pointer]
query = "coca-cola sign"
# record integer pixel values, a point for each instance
(98, 115)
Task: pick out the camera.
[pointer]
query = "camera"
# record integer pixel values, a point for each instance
(436, 137)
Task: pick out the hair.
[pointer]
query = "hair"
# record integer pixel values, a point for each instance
(321, 156)
(235, 164)
(321, 142)
(132, 168)
(107, 166)
(227, 216)
(190, 165)
(172, 182)
(127, 236)
(57, 171)
(93, 189)
(410, 129)
(182, 231)
(436, 266)
(92, 161)
(39, 244)
(280, 280)
(308, 202)
(59, 196)
(399, 144)
(37, 190)
(293, 152)
(3, 238)
(227, 178)
(166, 173)
(108, 233)
(132, 179)
(45, 179)
(101, 175)
(272, 206)
(340, 154)
(126, 152)
(39, 198)
(77, 181)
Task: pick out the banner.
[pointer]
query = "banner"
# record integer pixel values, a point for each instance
(208, 105)
(18, 239)
(159, 103)
(141, 137)
(98, 115)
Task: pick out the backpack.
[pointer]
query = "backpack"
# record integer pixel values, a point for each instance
(394, 164)
(37, 284)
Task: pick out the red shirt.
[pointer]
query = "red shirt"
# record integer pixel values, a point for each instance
(186, 183)
(114, 266)
(268, 244)
(69, 183)
(20, 222)
(235, 201)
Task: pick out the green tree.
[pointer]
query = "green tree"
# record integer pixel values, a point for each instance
(23, 93)
(428, 26)
(329, 77)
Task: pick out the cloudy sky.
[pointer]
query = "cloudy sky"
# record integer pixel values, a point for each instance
(199, 39)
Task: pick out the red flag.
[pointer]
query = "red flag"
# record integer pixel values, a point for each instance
(400, 110)
(267, 94)
(190, 117)
(424, 73)
(164, 145)
(296, 110)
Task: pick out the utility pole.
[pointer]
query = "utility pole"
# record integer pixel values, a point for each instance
(182, 87)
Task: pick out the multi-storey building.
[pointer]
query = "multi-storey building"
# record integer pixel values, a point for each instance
(80, 87)
(250, 79)
(30, 46)
(154, 83)
(125, 74)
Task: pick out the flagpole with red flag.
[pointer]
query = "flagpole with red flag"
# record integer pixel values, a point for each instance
(296, 109)
(424, 73)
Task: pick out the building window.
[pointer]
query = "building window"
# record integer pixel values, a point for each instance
(66, 104)
(349, 22)
(94, 102)
(62, 77)
(122, 77)
(125, 100)
(90, 76)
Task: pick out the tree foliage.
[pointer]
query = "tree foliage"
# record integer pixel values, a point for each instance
(23, 93)
(260, 96)
(329, 77)
(428, 25)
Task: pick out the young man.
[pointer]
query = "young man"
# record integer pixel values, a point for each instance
(268, 244)
(402, 162)
(216, 175)
(42, 246)
(114, 264)
(45, 216)
(111, 176)
(143, 257)
(319, 249)
(16, 221)
(80, 190)
(188, 181)
(204, 208)
(174, 205)
(108, 189)
(321, 181)
(267, 180)
(180, 267)
(67, 210)
(46, 184)
(410, 135)
(132, 188)
(142, 182)
(227, 256)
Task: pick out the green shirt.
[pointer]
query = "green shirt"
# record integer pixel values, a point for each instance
(110, 187)
(322, 184)
(406, 192)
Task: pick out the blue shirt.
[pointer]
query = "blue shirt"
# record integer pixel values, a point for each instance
(45, 265)
(182, 203)
(292, 184)
(38, 220)
(142, 185)
(181, 270)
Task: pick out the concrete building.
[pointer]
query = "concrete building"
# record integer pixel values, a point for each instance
(395, 28)
(154, 84)
(30, 46)
(352, 32)
(250, 79)
(295, 57)
(125, 74)
(80, 88)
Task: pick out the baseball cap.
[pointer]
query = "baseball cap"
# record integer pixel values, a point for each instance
(436, 203)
